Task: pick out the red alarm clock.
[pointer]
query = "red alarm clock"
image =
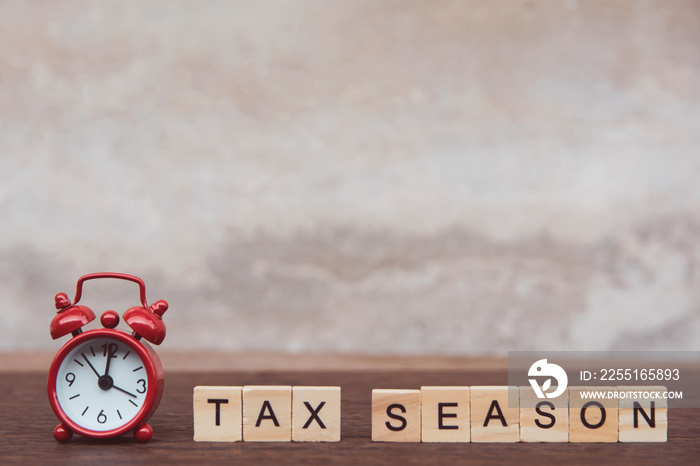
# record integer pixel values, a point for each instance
(105, 382)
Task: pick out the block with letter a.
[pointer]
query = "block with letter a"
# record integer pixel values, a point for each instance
(493, 418)
(267, 413)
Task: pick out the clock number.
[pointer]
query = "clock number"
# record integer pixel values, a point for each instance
(106, 348)
(101, 418)
(143, 386)
(70, 378)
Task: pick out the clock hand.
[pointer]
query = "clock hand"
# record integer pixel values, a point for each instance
(122, 390)
(111, 353)
(90, 364)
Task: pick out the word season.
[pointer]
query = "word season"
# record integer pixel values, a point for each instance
(432, 414)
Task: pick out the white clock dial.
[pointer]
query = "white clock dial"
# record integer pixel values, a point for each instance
(101, 385)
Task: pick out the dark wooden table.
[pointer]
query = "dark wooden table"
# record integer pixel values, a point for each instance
(28, 422)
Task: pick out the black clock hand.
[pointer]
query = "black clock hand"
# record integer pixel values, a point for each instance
(122, 390)
(111, 353)
(90, 364)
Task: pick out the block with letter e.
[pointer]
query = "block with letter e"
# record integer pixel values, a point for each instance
(217, 414)
(494, 417)
(643, 414)
(445, 414)
(396, 415)
(593, 414)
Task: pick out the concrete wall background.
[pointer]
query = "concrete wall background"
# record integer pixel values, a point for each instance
(394, 177)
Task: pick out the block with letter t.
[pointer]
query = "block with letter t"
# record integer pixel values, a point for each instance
(217, 414)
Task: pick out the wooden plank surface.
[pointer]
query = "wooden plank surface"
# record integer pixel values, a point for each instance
(37, 361)
(27, 424)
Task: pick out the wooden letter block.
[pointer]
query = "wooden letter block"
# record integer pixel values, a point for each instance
(543, 420)
(643, 414)
(445, 414)
(492, 420)
(396, 415)
(217, 414)
(316, 414)
(267, 413)
(592, 418)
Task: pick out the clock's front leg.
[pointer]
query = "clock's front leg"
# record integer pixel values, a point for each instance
(62, 433)
(143, 433)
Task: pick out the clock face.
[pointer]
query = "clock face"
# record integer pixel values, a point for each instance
(101, 384)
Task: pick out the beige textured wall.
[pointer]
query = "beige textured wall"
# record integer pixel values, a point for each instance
(369, 176)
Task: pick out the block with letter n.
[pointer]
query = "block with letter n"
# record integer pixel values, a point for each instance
(643, 414)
